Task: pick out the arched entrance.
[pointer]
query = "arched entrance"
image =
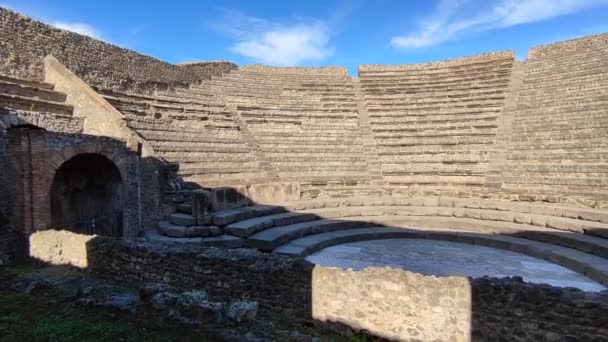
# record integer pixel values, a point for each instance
(87, 196)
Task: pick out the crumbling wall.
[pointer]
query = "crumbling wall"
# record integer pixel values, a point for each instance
(25, 42)
(392, 303)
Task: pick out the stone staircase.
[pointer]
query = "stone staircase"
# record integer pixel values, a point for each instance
(572, 237)
(181, 227)
(24, 102)
(374, 164)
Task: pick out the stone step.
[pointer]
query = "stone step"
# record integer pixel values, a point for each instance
(31, 104)
(250, 226)
(226, 217)
(592, 266)
(599, 181)
(181, 219)
(29, 83)
(437, 126)
(427, 104)
(185, 146)
(401, 85)
(397, 88)
(274, 237)
(436, 68)
(9, 88)
(468, 168)
(179, 231)
(224, 241)
(184, 208)
(429, 140)
(424, 133)
(436, 114)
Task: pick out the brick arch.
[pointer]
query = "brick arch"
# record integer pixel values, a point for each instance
(57, 154)
(61, 157)
(34, 156)
(88, 188)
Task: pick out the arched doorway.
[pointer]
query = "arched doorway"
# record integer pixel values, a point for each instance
(87, 196)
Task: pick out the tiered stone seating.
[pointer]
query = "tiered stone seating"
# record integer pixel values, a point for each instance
(28, 102)
(434, 124)
(305, 122)
(195, 131)
(573, 237)
(558, 142)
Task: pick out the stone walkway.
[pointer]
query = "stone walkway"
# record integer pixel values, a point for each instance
(444, 258)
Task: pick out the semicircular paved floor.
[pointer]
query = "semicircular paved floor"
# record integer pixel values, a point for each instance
(444, 258)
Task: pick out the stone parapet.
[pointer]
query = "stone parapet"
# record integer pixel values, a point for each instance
(456, 62)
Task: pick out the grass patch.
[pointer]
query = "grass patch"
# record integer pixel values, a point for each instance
(49, 316)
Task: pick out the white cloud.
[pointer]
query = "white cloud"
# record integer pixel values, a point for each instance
(454, 18)
(284, 44)
(80, 28)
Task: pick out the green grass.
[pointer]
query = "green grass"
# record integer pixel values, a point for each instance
(49, 316)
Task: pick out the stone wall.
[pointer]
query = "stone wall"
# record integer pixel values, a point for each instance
(387, 302)
(25, 42)
(35, 156)
(10, 244)
(281, 284)
(394, 304)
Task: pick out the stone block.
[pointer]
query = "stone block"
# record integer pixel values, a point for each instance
(171, 230)
(224, 198)
(203, 231)
(273, 193)
(181, 219)
(201, 205)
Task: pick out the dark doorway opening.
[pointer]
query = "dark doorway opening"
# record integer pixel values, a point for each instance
(87, 196)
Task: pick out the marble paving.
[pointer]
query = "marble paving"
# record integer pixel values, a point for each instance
(444, 258)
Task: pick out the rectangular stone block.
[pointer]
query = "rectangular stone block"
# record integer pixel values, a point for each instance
(228, 198)
(274, 193)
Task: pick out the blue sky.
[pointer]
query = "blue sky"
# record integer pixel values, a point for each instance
(322, 32)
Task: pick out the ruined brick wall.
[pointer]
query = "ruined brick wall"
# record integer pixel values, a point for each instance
(35, 156)
(383, 301)
(25, 42)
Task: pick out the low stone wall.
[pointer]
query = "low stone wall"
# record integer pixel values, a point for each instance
(391, 303)
(280, 284)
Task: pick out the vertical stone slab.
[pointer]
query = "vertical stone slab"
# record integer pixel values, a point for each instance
(201, 205)
(394, 304)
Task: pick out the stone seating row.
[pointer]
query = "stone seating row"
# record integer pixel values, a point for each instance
(592, 266)
(565, 235)
(559, 122)
(24, 101)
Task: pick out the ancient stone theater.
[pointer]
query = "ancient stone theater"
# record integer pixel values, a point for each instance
(243, 180)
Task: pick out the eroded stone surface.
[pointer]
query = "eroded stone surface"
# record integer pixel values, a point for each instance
(445, 258)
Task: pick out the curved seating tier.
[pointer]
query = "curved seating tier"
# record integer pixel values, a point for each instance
(305, 122)
(435, 124)
(570, 236)
(196, 131)
(35, 103)
(558, 143)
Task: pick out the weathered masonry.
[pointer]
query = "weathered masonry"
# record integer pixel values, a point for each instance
(486, 150)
